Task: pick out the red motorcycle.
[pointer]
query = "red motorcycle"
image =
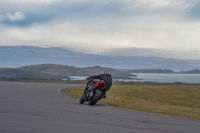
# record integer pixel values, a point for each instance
(93, 92)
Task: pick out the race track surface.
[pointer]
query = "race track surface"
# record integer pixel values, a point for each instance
(42, 108)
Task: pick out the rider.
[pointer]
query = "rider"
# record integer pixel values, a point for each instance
(105, 82)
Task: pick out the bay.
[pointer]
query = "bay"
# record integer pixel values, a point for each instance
(160, 78)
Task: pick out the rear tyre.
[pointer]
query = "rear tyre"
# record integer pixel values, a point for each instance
(96, 97)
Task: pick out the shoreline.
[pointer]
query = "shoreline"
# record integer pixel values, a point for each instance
(115, 82)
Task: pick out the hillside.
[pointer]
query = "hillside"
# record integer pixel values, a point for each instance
(53, 71)
(16, 73)
(197, 71)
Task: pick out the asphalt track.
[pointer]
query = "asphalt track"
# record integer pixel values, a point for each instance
(42, 108)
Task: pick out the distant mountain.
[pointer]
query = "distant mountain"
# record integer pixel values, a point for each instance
(147, 52)
(17, 56)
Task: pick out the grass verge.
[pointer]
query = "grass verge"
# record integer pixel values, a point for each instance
(182, 101)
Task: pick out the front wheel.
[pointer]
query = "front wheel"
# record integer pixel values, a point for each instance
(96, 97)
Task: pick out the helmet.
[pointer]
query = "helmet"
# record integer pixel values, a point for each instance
(106, 72)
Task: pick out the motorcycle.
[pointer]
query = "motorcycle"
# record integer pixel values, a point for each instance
(91, 94)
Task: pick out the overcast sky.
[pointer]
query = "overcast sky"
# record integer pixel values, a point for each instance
(96, 25)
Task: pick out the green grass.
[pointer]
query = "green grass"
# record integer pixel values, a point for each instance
(182, 101)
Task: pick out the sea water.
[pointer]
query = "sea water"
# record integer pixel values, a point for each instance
(160, 78)
(169, 78)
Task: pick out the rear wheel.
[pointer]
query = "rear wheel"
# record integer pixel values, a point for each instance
(96, 97)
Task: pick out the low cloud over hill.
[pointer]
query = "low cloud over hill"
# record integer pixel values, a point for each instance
(17, 56)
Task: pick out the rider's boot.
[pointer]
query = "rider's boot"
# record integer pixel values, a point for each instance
(104, 94)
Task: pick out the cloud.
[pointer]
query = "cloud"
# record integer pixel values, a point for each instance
(1, 17)
(29, 1)
(47, 10)
(16, 16)
(194, 12)
(97, 34)
(90, 25)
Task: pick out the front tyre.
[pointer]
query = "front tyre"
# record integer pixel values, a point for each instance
(96, 97)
